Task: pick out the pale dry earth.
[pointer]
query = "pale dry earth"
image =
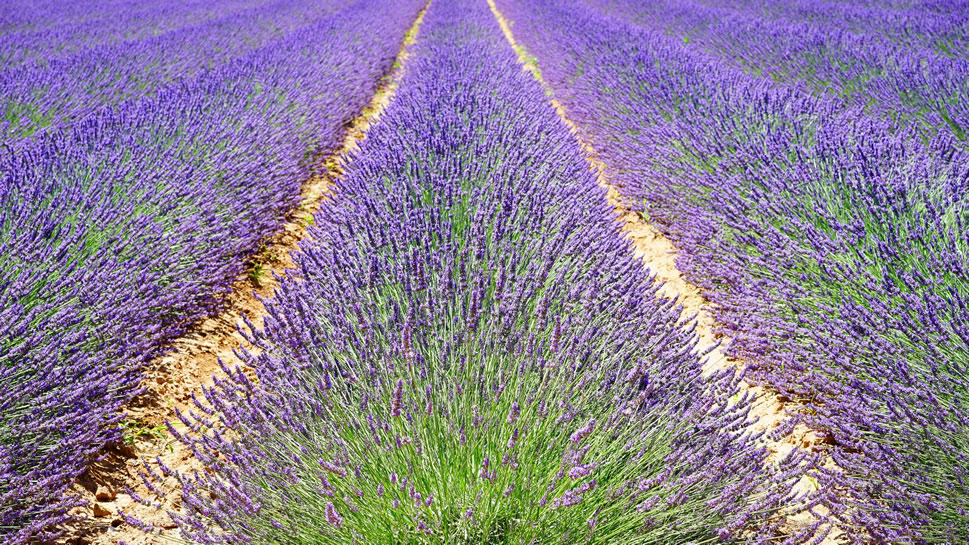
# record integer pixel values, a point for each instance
(192, 360)
(658, 254)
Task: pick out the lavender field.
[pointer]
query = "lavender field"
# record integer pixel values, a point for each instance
(484, 272)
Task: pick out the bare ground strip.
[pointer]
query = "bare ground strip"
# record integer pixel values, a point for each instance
(658, 254)
(193, 359)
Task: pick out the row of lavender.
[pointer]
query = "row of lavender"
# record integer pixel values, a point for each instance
(938, 24)
(469, 352)
(934, 23)
(53, 30)
(834, 243)
(907, 64)
(117, 231)
(58, 73)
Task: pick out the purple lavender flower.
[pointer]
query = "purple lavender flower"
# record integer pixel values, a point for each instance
(332, 516)
(580, 434)
(397, 402)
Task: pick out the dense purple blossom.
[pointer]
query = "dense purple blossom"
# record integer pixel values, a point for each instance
(118, 230)
(332, 516)
(470, 258)
(831, 236)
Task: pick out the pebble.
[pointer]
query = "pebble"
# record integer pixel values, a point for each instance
(100, 510)
(105, 494)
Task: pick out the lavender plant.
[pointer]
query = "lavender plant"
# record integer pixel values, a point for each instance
(469, 352)
(832, 242)
(117, 232)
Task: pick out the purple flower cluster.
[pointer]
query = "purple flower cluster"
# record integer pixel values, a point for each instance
(832, 238)
(453, 359)
(123, 227)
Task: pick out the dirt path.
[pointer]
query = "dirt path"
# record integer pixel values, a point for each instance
(194, 360)
(659, 254)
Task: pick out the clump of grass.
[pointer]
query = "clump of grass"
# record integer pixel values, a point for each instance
(256, 272)
(133, 431)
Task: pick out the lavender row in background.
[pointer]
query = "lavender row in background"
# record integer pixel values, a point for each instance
(914, 75)
(56, 90)
(471, 353)
(118, 231)
(940, 24)
(834, 245)
(46, 30)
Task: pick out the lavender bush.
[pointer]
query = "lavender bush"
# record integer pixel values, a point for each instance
(833, 243)
(121, 229)
(469, 352)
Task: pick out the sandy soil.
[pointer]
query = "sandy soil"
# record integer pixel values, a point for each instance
(193, 362)
(659, 255)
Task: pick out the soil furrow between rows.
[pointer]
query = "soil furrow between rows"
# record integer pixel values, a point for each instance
(193, 360)
(658, 254)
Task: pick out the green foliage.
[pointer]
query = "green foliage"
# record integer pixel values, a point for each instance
(132, 431)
